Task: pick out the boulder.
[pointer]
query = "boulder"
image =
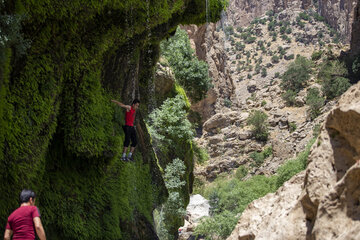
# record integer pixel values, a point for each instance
(219, 120)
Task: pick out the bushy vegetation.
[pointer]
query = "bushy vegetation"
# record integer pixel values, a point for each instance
(333, 75)
(316, 55)
(171, 213)
(296, 76)
(259, 157)
(201, 155)
(169, 127)
(258, 121)
(315, 102)
(191, 73)
(289, 97)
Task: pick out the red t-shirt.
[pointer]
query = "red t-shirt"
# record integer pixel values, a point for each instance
(130, 117)
(21, 222)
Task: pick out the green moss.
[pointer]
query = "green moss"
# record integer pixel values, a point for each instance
(60, 134)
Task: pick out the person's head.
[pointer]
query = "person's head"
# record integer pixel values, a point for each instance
(135, 104)
(27, 196)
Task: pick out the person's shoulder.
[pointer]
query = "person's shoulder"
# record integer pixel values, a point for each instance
(14, 213)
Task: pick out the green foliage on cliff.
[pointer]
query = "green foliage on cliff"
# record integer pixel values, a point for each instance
(190, 72)
(257, 120)
(169, 127)
(172, 212)
(60, 135)
(315, 102)
(333, 75)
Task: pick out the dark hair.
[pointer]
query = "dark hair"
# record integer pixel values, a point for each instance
(135, 101)
(26, 194)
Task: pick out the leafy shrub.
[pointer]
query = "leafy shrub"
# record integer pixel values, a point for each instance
(239, 29)
(275, 59)
(263, 103)
(315, 102)
(190, 73)
(263, 72)
(318, 17)
(277, 75)
(227, 102)
(289, 57)
(356, 65)
(201, 155)
(289, 97)
(241, 172)
(316, 130)
(259, 125)
(172, 212)
(271, 26)
(297, 74)
(239, 46)
(249, 76)
(250, 40)
(292, 126)
(333, 76)
(304, 16)
(229, 30)
(169, 126)
(218, 227)
(270, 13)
(259, 157)
(316, 55)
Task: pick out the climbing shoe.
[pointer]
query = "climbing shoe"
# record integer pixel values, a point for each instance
(125, 159)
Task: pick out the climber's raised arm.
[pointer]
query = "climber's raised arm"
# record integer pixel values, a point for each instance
(127, 107)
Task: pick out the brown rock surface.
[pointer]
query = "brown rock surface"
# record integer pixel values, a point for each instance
(339, 14)
(323, 204)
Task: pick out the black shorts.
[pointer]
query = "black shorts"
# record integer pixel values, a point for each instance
(130, 135)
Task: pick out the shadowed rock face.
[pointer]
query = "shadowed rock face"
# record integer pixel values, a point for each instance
(340, 15)
(355, 36)
(323, 202)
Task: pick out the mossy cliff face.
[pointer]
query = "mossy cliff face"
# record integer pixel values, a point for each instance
(60, 134)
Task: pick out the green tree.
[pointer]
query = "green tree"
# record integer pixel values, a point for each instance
(296, 76)
(333, 76)
(168, 125)
(315, 102)
(171, 213)
(289, 97)
(191, 73)
(259, 125)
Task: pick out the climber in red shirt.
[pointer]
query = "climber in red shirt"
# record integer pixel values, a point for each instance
(129, 129)
(22, 221)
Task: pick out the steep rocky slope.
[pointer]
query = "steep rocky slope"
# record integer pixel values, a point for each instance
(323, 201)
(255, 66)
